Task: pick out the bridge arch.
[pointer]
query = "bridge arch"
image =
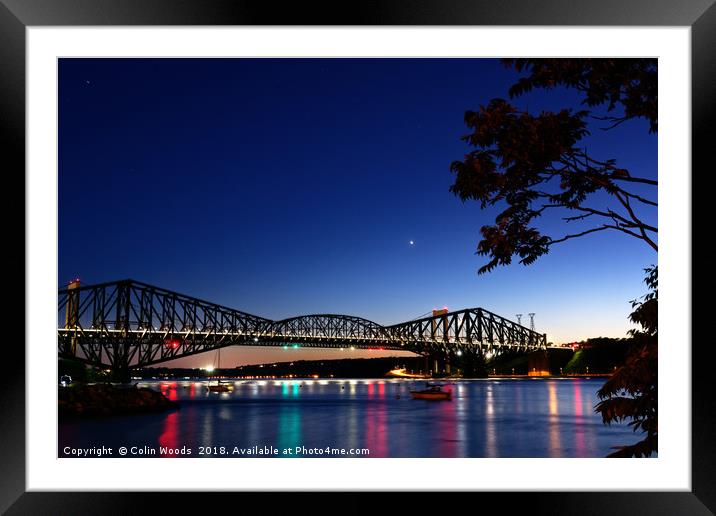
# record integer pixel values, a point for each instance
(345, 328)
(131, 324)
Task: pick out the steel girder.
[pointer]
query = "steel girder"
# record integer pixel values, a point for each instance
(128, 323)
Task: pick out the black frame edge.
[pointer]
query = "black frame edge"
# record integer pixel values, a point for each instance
(700, 14)
(703, 123)
(376, 12)
(12, 135)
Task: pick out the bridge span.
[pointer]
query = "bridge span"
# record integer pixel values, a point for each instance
(128, 324)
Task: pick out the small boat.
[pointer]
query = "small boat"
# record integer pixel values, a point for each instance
(432, 392)
(220, 386)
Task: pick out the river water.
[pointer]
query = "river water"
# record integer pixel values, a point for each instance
(333, 418)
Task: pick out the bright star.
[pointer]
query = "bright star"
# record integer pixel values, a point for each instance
(412, 242)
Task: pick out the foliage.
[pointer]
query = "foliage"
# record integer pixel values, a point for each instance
(631, 83)
(534, 163)
(598, 355)
(631, 392)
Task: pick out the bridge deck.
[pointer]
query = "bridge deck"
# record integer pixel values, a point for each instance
(136, 324)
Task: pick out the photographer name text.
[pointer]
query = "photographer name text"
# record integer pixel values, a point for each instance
(211, 451)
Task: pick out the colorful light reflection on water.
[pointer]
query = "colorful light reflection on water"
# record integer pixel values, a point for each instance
(486, 418)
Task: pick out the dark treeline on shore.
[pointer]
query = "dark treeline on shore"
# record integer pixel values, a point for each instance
(599, 355)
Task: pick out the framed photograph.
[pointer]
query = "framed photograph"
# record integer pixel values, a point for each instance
(411, 249)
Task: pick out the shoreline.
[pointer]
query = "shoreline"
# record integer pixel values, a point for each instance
(101, 400)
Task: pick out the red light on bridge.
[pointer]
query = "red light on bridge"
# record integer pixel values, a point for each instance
(172, 343)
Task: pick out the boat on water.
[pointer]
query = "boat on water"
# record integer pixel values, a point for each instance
(432, 392)
(219, 386)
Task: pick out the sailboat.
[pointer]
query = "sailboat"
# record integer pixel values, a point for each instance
(220, 386)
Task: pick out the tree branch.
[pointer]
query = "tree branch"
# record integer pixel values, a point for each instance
(617, 218)
(634, 180)
(637, 197)
(602, 228)
(567, 237)
(627, 205)
(616, 121)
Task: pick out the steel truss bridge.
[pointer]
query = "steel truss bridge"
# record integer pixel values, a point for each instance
(126, 324)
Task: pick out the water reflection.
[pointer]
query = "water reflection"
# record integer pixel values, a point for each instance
(352, 430)
(461, 415)
(447, 431)
(490, 430)
(289, 428)
(486, 418)
(376, 431)
(555, 448)
(168, 437)
(578, 421)
(169, 390)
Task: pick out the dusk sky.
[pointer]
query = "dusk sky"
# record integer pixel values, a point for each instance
(283, 187)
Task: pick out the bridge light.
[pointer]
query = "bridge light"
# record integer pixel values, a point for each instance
(459, 352)
(256, 339)
(295, 346)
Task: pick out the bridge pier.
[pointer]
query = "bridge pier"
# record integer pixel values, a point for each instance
(473, 364)
(433, 363)
(124, 322)
(120, 362)
(120, 374)
(438, 363)
(72, 316)
(469, 364)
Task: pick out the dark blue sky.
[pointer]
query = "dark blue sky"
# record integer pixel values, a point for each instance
(289, 186)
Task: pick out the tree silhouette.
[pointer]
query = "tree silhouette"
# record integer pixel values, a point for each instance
(534, 163)
(631, 392)
(531, 164)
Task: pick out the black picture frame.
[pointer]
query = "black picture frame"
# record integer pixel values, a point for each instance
(17, 15)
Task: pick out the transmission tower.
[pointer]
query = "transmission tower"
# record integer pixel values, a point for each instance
(519, 319)
(532, 321)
